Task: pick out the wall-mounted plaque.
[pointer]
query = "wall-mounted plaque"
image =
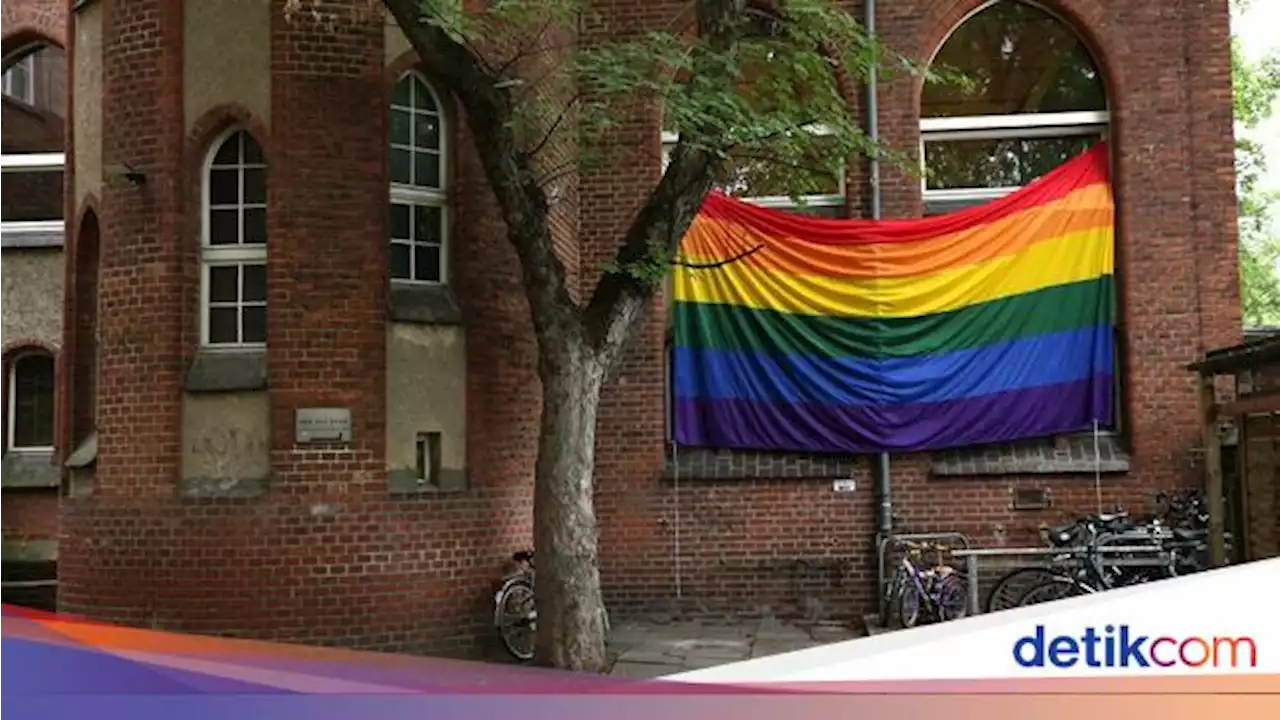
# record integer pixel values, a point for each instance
(322, 425)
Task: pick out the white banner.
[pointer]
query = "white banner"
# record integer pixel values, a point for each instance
(1222, 621)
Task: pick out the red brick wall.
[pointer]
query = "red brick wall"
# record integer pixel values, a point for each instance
(328, 556)
(30, 514)
(774, 542)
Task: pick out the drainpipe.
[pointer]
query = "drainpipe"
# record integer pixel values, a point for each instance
(881, 471)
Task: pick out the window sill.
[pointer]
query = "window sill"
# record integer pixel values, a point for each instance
(406, 483)
(30, 469)
(425, 305)
(1065, 455)
(711, 464)
(227, 371)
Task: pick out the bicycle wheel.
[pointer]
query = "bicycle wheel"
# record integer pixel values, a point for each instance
(1059, 588)
(892, 598)
(909, 602)
(1010, 588)
(515, 617)
(952, 597)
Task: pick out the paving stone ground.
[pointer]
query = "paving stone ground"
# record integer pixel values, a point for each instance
(653, 648)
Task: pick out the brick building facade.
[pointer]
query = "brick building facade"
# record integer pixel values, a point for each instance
(31, 230)
(268, 215)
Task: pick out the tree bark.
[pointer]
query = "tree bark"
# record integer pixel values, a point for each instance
(571, 632)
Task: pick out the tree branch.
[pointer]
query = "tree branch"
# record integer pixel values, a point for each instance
(521, 199)
(719, 263)
(621, 297)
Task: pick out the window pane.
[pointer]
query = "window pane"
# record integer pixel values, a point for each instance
(998, 163)
(422, 99)
(255, 187)
(33, 401)
(1020, 59)
(252, 151)
(224, 227)
(426, 131)
(811, 174)
(255, 283)
(399, 162)
(426, 169)
(222, 325)
(255, 324)
(224, 187)
(229, 152)
(426, 224)
(398, 222)
(398, 127)
(402, 95)
(224, 283)
(255, 226)
(400, 261)
(426, 263)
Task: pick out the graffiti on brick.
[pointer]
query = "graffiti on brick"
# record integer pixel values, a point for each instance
(223, 452)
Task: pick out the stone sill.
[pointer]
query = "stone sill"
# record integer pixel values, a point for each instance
(425, 305)
(1067, 455)
(34, 469)
(227, 371)
(405, 483)
(711, 464)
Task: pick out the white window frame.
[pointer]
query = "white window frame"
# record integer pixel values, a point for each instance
(778, 202)
(28, 65)
(226, 255)
(15, 232)
(11, 415)
(411, 195)
(1000, 127)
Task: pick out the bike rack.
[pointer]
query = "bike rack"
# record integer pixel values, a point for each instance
(899, 539)
(971, 558)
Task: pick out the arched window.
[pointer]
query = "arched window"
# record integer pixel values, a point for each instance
(30, 401)
(418, 212)
(234, 247)
(1035, 99)
(19, 79)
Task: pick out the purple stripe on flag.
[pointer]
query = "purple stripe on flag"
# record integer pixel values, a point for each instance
(1000, 417)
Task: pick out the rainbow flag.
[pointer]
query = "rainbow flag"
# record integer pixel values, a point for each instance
(991, 324)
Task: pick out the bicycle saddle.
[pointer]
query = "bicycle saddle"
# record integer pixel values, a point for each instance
(1063, 535)
(1189, 535)
(523, 556)
(1106, 518)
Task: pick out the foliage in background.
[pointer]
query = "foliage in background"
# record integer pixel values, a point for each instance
(1256, 86)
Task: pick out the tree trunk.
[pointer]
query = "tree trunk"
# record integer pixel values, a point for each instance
(571, 633)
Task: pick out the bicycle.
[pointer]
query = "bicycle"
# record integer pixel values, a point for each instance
(939, 590)
(515, 614)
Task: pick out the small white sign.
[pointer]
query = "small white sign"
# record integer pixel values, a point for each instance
(844, 485)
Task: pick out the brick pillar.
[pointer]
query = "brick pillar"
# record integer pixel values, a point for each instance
(327, 275)
(102, 567)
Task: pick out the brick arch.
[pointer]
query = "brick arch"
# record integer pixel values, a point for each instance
(218, 120)
(1085, 17)
(19, 345)
(32, 23)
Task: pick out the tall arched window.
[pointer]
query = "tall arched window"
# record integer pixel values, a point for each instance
(1036, 99)
(234, 247)
(418, 220)
(30, 401)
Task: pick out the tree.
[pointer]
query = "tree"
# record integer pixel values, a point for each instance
(1255, 85)
(742, 82)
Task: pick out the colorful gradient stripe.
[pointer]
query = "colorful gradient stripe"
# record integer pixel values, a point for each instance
(992, 324)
